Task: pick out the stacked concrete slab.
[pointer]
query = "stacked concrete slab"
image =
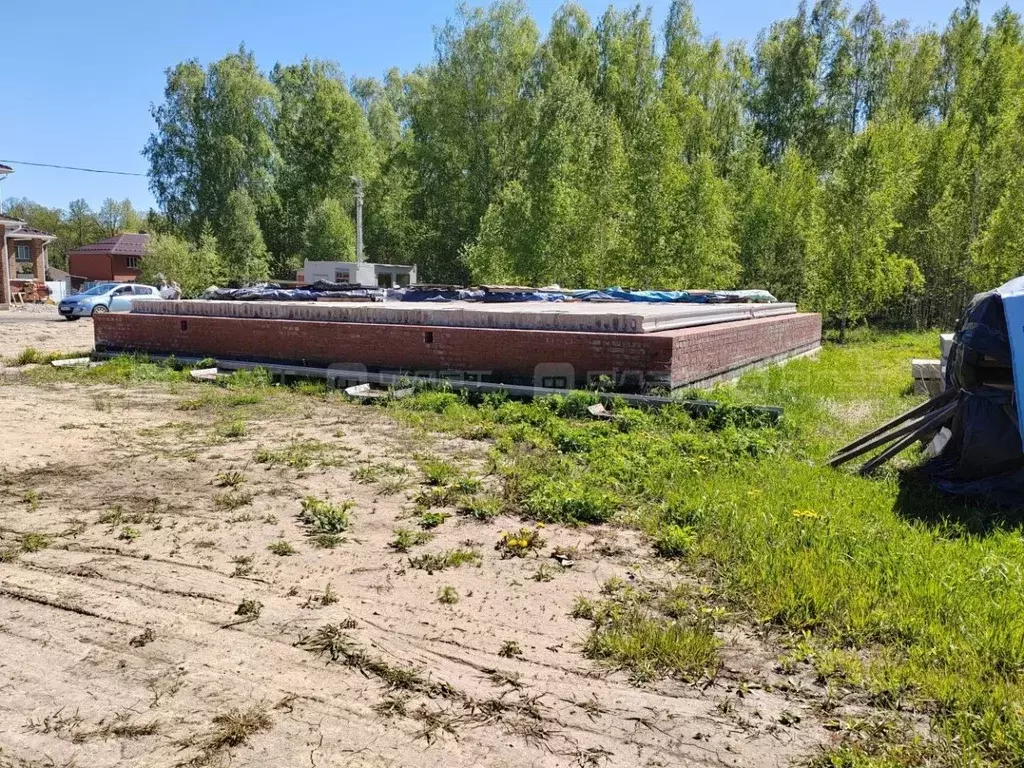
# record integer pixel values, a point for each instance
(524, 316)
(638, 345)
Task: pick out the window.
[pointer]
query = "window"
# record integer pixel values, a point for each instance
(142, 290)
(402, 279)
(341, 276)
(384, 280)
(132, 262)
(124, 290)
(22, 252)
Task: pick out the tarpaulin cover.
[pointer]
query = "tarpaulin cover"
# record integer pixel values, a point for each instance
(984, 458)
(674, 297)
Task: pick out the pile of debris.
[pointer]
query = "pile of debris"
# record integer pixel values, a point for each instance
(974, 426)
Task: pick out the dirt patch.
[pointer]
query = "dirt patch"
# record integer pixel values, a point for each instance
(149, 613)
(42, 328)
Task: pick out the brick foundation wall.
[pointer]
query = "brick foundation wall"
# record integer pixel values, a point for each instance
(713, 350)
(680, 356)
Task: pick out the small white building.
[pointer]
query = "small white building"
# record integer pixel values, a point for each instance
(364, 273)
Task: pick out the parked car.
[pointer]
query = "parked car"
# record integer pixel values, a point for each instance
(105, 297)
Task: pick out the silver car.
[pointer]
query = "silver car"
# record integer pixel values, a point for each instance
(105, 297)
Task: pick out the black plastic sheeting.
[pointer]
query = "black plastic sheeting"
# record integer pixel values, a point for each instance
(428, 293)
(274, 292)
(983, 458)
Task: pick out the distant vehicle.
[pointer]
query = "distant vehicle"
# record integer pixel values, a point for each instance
(105, 297)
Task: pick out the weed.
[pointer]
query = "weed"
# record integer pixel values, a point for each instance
(674, 541)
(128, 534)
(438, 471)
(391, 706)
(481, 507)
(452, 558)
(248, 609)
(544, 572)
(436, 496)
(231, 500)
(229, 479)
(520, 543)
(231, 729)
(431, 520)
(330, 640)
(406, 538)
(303, 454)
(282, 548)
(329, 597)
(649, 634)
(327, 540)
(243, 565)
(147, 636)
(32, 498)
(33, 542)
(447, 595)
(321, 516)
(30, 356)
(510, 650)
(232, 430)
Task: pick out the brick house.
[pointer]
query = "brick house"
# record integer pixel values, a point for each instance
(22, 255)
(117, 259)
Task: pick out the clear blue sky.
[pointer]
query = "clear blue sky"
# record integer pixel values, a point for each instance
(80, 77)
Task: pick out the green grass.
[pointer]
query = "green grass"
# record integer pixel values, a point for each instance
(302, 454)
(921, 597)
(282, 548)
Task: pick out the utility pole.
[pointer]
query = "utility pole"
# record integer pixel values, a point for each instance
(359, 218)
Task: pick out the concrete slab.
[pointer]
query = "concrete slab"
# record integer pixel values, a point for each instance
(534, 316)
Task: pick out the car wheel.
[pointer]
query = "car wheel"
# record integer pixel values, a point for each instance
(99, 309)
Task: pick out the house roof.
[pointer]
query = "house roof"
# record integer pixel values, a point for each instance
(123, 245)
(18, 229)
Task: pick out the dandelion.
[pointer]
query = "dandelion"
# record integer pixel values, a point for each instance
(804, 513)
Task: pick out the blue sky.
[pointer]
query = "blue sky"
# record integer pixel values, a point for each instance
(80, 77)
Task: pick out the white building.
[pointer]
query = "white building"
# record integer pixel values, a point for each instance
(364, 273)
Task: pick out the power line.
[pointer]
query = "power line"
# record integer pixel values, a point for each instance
(71, 168)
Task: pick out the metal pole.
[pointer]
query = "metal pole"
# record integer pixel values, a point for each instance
(359, 219)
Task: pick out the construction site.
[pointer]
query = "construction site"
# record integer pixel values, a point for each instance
(636, 344)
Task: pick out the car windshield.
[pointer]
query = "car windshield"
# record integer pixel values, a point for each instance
(99, 290)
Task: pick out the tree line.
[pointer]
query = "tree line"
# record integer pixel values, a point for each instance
(843, 160)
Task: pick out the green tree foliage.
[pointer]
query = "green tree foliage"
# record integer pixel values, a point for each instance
(213, 136)
(324, 139)
(193, 267)
(842, 160)
(864, 200)
(244, 253)
(329, 233)
(118, 216)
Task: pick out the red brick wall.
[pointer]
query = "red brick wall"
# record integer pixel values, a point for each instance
(688, 355)
(404, 347)
(91, 266)
(712, 350)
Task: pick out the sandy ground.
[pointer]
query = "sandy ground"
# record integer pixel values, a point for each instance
(42, 328)
(121, 651)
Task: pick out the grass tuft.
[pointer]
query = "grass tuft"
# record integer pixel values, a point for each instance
(439, 561)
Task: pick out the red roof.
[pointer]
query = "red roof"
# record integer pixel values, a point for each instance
(126, 245)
